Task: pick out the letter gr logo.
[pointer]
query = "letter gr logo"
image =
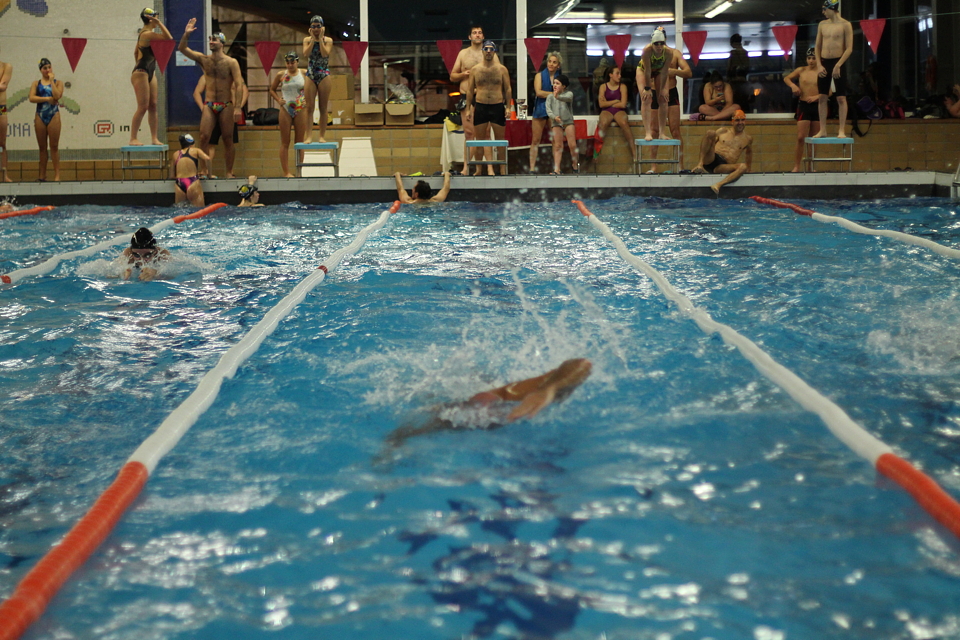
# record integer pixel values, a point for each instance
(103, 128)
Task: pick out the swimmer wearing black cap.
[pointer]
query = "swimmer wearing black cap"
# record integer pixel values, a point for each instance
(249, 194)
(144, 78)
(223, 84)
(834, 46)
(143, 254)
(803, 83)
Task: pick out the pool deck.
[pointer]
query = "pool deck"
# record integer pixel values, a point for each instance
(850, 186)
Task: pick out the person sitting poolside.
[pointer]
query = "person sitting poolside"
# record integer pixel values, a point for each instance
(143, 254)
(720, 151)
(249, 194)
(533, 394)
(422, 193)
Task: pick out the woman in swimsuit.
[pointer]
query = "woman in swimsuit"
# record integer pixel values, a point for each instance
(143, 77)
(718, 101)
(612, 98)
(46, 93)
(287, 89)
(542, 87)
(186, 172)
(317, 48)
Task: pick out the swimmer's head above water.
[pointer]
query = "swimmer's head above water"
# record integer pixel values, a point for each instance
(186, 140)
(422, 190)
(143, 239)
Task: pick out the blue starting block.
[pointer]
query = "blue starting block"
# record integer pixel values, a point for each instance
(672, 145)
(312, 148)
(811, 145)
(493, 144)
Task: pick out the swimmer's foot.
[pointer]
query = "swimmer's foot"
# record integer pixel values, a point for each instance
(664, 136)
(716, 188)
(841, 134)
(289, 175)
(134, 143)
(6, 178)
(699, 169)
(820, 134)
(795, 170)
(230, 176)
(648, 137)
(156, 141)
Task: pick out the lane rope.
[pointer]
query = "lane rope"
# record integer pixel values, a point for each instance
(51, 263)
(946, 252)
(25, 212)
(928, 494)
(39, 586)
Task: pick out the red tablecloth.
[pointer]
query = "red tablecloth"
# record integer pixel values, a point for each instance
(519, 132)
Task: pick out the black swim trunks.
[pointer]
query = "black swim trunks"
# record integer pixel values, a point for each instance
(809, 111)
(216, 133)
(717, 161)
(839, 84)
(492, 113)
(674, 99)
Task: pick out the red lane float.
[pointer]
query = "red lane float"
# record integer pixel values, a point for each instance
(783, 205)
(924, 489)
(25, 212)
(39, 586)
(199, 214)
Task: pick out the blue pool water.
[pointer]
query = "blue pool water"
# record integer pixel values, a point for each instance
(676, 494)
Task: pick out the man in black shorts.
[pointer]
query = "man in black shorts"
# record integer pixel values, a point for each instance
(489, 91)
(834, 46)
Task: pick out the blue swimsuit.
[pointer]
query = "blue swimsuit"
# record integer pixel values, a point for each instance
(45, 110)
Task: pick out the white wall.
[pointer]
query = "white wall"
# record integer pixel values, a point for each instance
(100, 96)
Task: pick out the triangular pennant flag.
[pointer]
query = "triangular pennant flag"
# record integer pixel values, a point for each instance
(74, 48)
(619, 44)
(694, 41)
(355, 52)
(536, 49)
(449, 50)
(785, 35)
(267, 51)
(872, 30)
(162, 50)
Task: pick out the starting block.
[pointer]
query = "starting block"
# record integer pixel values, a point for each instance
(317, 154)
(672, 145)
(494, 144)
(132, 157)
(810, 151)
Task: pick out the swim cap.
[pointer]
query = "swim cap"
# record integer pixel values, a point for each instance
(148, 13)
(315, 20)
(143, 239)
(739, 115)
(186, 140)
(219, 36)
(488, 44)
(833, 5)
(811, 52)
(246, 191)
(659, 35)
(291, 56)
(44, 62)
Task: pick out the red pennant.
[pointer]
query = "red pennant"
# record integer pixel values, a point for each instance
(872, 30)
(694, 41)
(268, 53)
(355, 52)
(536, 49)
(449, 49)
(619, 44)
(785, 36)
(74, 48)
(162, 50)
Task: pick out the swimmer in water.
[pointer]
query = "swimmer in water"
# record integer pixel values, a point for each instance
(249, 194)
(422, 193)
(533, 394)
(143, 254)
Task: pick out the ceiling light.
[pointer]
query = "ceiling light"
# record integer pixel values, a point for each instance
(717, 10)
(578, 18)
(627, 18)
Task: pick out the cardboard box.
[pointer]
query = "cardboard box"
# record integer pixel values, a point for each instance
(399, 114)
(342, 87)
(368, 115)
(341, 111)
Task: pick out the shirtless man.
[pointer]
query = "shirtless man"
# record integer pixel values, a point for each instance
(677, 67)
(803, 83)
(720, 151)
(421, 192)
(489, 93)
(834, 46)
(654, 59)
(467, 59)
(6, 70)
(223, 80)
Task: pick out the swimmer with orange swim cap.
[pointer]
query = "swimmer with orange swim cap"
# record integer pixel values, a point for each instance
(533, 394)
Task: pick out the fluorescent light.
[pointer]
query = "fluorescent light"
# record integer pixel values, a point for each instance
(775, 54)
(717, 10)
(757, 54)
(583, 18)
(627, 18)
(638, 52)
(595, 53)
(715, 56)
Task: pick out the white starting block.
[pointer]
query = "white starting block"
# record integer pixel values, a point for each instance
(672, 145)
(133, 156)
(810, 151)
(493, 144)
(317, 154)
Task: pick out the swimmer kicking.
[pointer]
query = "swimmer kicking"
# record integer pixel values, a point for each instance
(533, 394)
(141, 254)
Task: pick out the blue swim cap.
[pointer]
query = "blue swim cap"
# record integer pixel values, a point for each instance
(488, 44)
(316, 20)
